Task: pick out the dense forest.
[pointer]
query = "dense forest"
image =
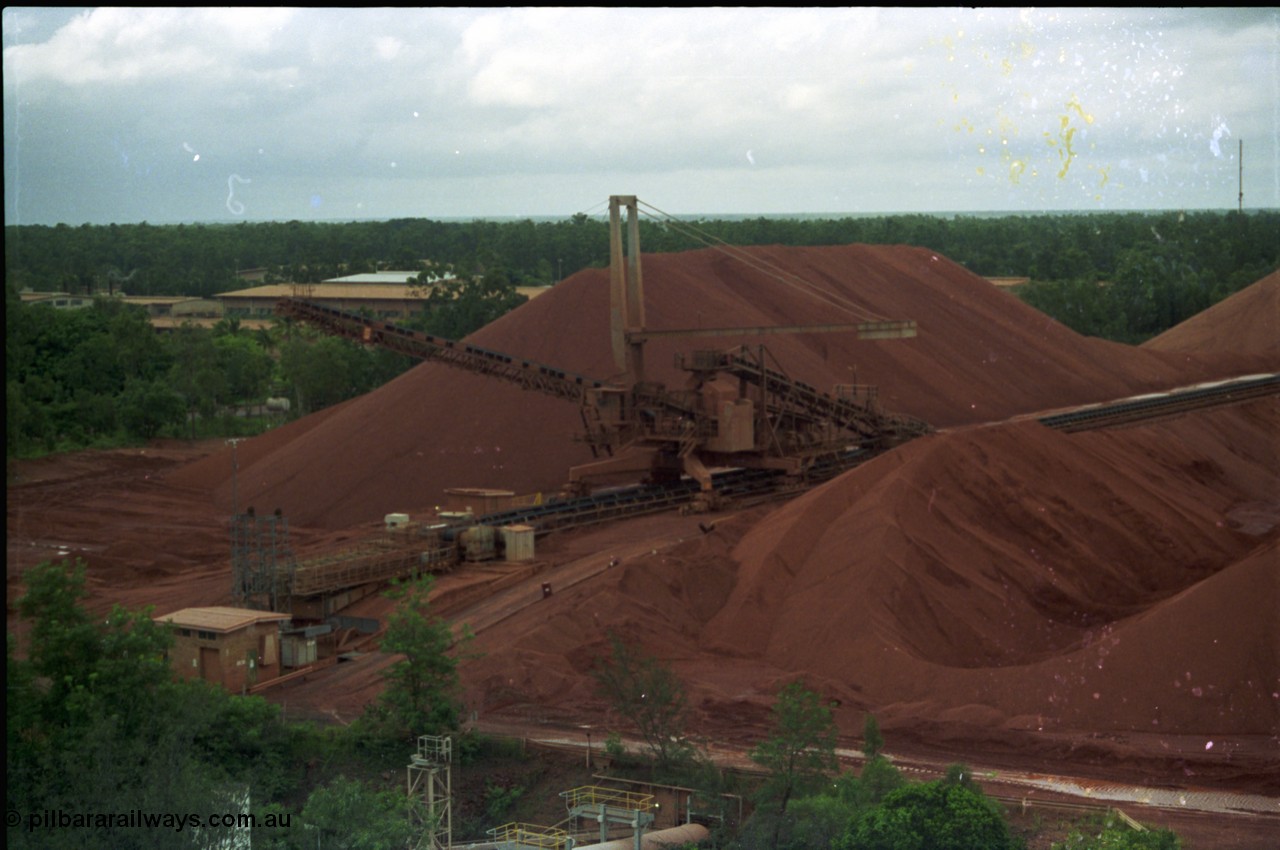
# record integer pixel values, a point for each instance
(1224, 250)
(98, 376)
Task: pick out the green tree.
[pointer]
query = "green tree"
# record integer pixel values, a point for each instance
(930, 816)
(460, 306)
(348, 814)
(320, 371)
(872, 740)
(649, 694)
(245, 366)
(815, 821)
(67, 370)
(94, 714)
(98, 717)
(147, 407)
(1082, 304)
(194, 375)
(878, 779)
(873, 784)
(91, 665)
(800, 755)
(421, 696)
(959, 774)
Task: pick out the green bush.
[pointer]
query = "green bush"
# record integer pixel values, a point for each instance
(1111, 833)
(930, 816)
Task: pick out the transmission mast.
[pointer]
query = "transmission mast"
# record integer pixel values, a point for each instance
(431, 779)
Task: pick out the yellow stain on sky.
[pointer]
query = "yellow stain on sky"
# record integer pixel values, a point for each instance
(1074, 103)
(1064, 137)
(1064, 143)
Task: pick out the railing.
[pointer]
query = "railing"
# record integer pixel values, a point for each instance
(529, 835)
(598, 795)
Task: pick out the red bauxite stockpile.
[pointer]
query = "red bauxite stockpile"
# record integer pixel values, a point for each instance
(1247, 322)
(1108, 597)
(1104, 598)
(981, 356)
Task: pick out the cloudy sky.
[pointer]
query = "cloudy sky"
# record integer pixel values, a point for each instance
(126, 115)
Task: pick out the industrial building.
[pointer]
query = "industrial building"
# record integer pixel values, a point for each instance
(232, 647)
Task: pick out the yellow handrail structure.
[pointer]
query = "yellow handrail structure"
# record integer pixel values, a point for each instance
(598, 795)
(530, 835)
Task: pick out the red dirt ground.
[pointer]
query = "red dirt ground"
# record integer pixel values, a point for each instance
(1103, 602)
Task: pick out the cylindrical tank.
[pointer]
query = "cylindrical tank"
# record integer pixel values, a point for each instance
(517, 540)
(478, 543)
(674, 837)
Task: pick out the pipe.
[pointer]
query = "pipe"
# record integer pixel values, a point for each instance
(674, 837)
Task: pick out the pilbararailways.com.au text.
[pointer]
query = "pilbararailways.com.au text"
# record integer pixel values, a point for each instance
(139, 819)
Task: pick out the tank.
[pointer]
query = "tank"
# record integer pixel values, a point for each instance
(517, 542)
(690, 833)
(478, 543)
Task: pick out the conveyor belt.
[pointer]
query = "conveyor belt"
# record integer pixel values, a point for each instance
(745, 484)
(528, 374)
(1130, 410)
(786, 394)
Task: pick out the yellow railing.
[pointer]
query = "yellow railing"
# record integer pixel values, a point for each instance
(529, 835)
(597, 795)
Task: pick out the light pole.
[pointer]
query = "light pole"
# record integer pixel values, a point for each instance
(235, 466)
(588, 731)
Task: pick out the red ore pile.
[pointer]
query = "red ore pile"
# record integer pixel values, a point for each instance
(981, 355)
(1103, 597)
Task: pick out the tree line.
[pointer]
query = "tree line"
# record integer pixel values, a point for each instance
(1224, 251)
(101, 376)
(91, 377)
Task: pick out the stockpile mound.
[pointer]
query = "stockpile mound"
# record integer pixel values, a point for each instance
(981, 355)
(1026, 573)
(1246, 325)
(1102, 597)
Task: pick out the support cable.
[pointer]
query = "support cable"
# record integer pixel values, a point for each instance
(763, 266)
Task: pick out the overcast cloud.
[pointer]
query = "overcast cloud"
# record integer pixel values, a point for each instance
(125, 115)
